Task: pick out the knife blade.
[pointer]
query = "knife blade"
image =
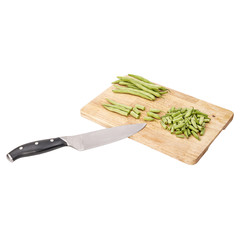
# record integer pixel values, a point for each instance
(79, 142)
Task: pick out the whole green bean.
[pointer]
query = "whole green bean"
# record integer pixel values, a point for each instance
(118, 107)
(148, 119)
(139, 78)
(154, 115)
(201, 120)
(140, 107)
(135, 115)
(119, 104)
(124, 113)
(128, 84)
(134, 81)
(140, 86)
(134, 92)
(154, 110)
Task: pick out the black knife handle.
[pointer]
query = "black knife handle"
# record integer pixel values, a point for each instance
(34, 148)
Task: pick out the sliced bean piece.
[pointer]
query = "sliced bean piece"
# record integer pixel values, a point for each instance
(154, 115)
(148, 119)
(135, 115)
(136, 111)
(154, 110)
(140, 107)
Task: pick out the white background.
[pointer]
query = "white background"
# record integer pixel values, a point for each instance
(56, 56)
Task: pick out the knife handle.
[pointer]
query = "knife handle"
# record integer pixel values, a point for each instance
(34, 148)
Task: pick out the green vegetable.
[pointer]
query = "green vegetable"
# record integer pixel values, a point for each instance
(117, 107)
(154, 115)
(163, 124)
(180, 136)
(112, 109)
(140, 107)
(148, 119)
(134, 92)
(195, 135)
(139, 78)
(130, 85)
(136, 81)
(118, 104)
(135, 115)
(185, 122)
(154, 110)
(136, 111)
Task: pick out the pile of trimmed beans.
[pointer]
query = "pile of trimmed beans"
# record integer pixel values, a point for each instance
(138, 86)
(184, 122)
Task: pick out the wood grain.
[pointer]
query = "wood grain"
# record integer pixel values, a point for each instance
(153, 135)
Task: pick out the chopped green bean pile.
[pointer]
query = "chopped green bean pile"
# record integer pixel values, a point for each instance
(139, 86)
(184, 122)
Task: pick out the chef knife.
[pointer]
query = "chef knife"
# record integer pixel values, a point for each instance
(80, 142)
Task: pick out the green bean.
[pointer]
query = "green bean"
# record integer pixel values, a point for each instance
(119, 104)
(183, 110)
(193, 122)
(163, 92)
(189, 112)
(206, 120)
(154, 115)
(116, 110)
(118, 107)
(180, 125)
(134, 92)
(164, 120)
(169, 120)
(193, 128)
(163, 124)
(200, 113)
(185, 133)
(202, 131)
(201, 120)
(188, 132)
(139, 78)
(140, 107)
(154, 110)
(140, 86)
(135, 115)
(172, 129)
(180, 136)
(176, 114)
(178, 132)
(195, 135)
(136, 111)
(134, 81)
(117, 81)
(172, 109)
(128, 84)
(148, 119)
(177, 120)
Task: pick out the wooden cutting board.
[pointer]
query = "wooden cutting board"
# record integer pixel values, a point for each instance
(153, 135)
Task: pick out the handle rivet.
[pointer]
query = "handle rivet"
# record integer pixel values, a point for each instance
(21, 148)
(36, 143)
(51, 140)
